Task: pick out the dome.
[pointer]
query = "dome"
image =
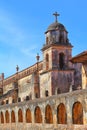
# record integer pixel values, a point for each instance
(55, 26)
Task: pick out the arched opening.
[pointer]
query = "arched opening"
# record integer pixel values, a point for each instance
(28, 116)
(47, 61)
(19, 99)
(12, 116)
(38, 115)
(47, 40)
(61, 114)
(2, 118)
(46, 93)
(20, 116)
(48, 115)
(61, 39)
(58, 91)
(77, 113)
(61, 61)
(7, 116)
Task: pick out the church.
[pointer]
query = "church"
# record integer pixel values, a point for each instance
(52, 93)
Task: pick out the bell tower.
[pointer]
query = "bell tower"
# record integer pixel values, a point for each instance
(57, 48)
(57, 51)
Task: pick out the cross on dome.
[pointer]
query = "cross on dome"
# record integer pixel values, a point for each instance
(56, 15)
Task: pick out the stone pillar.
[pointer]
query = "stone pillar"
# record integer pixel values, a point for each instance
(84, 117)
(69, 110)
(55, 118)
(24, 118)
(85, 111)
(43, 114)
(4, 116)
(24, 115)
(16, 117)
(10, 119)
(32, 114)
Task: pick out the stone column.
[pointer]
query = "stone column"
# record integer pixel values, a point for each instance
(84, 117)
(24, 115)
(32, 114)
(55, 118)
(4, 116)
(69, 110)
(85, 111)
(43, 114)
(10, 119)
(16, 117)
(24, 118)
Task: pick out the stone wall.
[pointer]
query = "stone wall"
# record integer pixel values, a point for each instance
(39, 107)
(41, 127)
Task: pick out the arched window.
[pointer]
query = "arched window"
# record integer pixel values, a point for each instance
(47, 40)
(47, 61)
(20, 116)
(48, 114)
(61, 39)
(12, 116)
(28, 116)
(7, 116)
(2, 118)
(61, 114)
(58, 91)
(61, 61)
(77, 113)
(38, 115)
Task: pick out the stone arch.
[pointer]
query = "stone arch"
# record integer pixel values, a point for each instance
(77, 113)
(2, 118)
(38, 115)
(61, 60)
(12, 116)
(48, 114)
(61, 114)
(7, 116)
(20, 116)
(28, 116)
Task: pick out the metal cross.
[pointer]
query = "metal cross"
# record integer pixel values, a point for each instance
(56, 15)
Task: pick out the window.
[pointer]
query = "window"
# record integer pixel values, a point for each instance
(61, 61)
(6, 101)
(47, 40)
(46, 93)
(27, 98)
(19, 99)
(47, 61)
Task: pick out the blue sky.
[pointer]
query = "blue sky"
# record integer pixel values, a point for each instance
(22, 27)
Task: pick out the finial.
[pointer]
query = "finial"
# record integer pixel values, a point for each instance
(56, 15)
(17, 68)
(37, 57)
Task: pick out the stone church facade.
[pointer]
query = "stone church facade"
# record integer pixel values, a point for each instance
(52, 93)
